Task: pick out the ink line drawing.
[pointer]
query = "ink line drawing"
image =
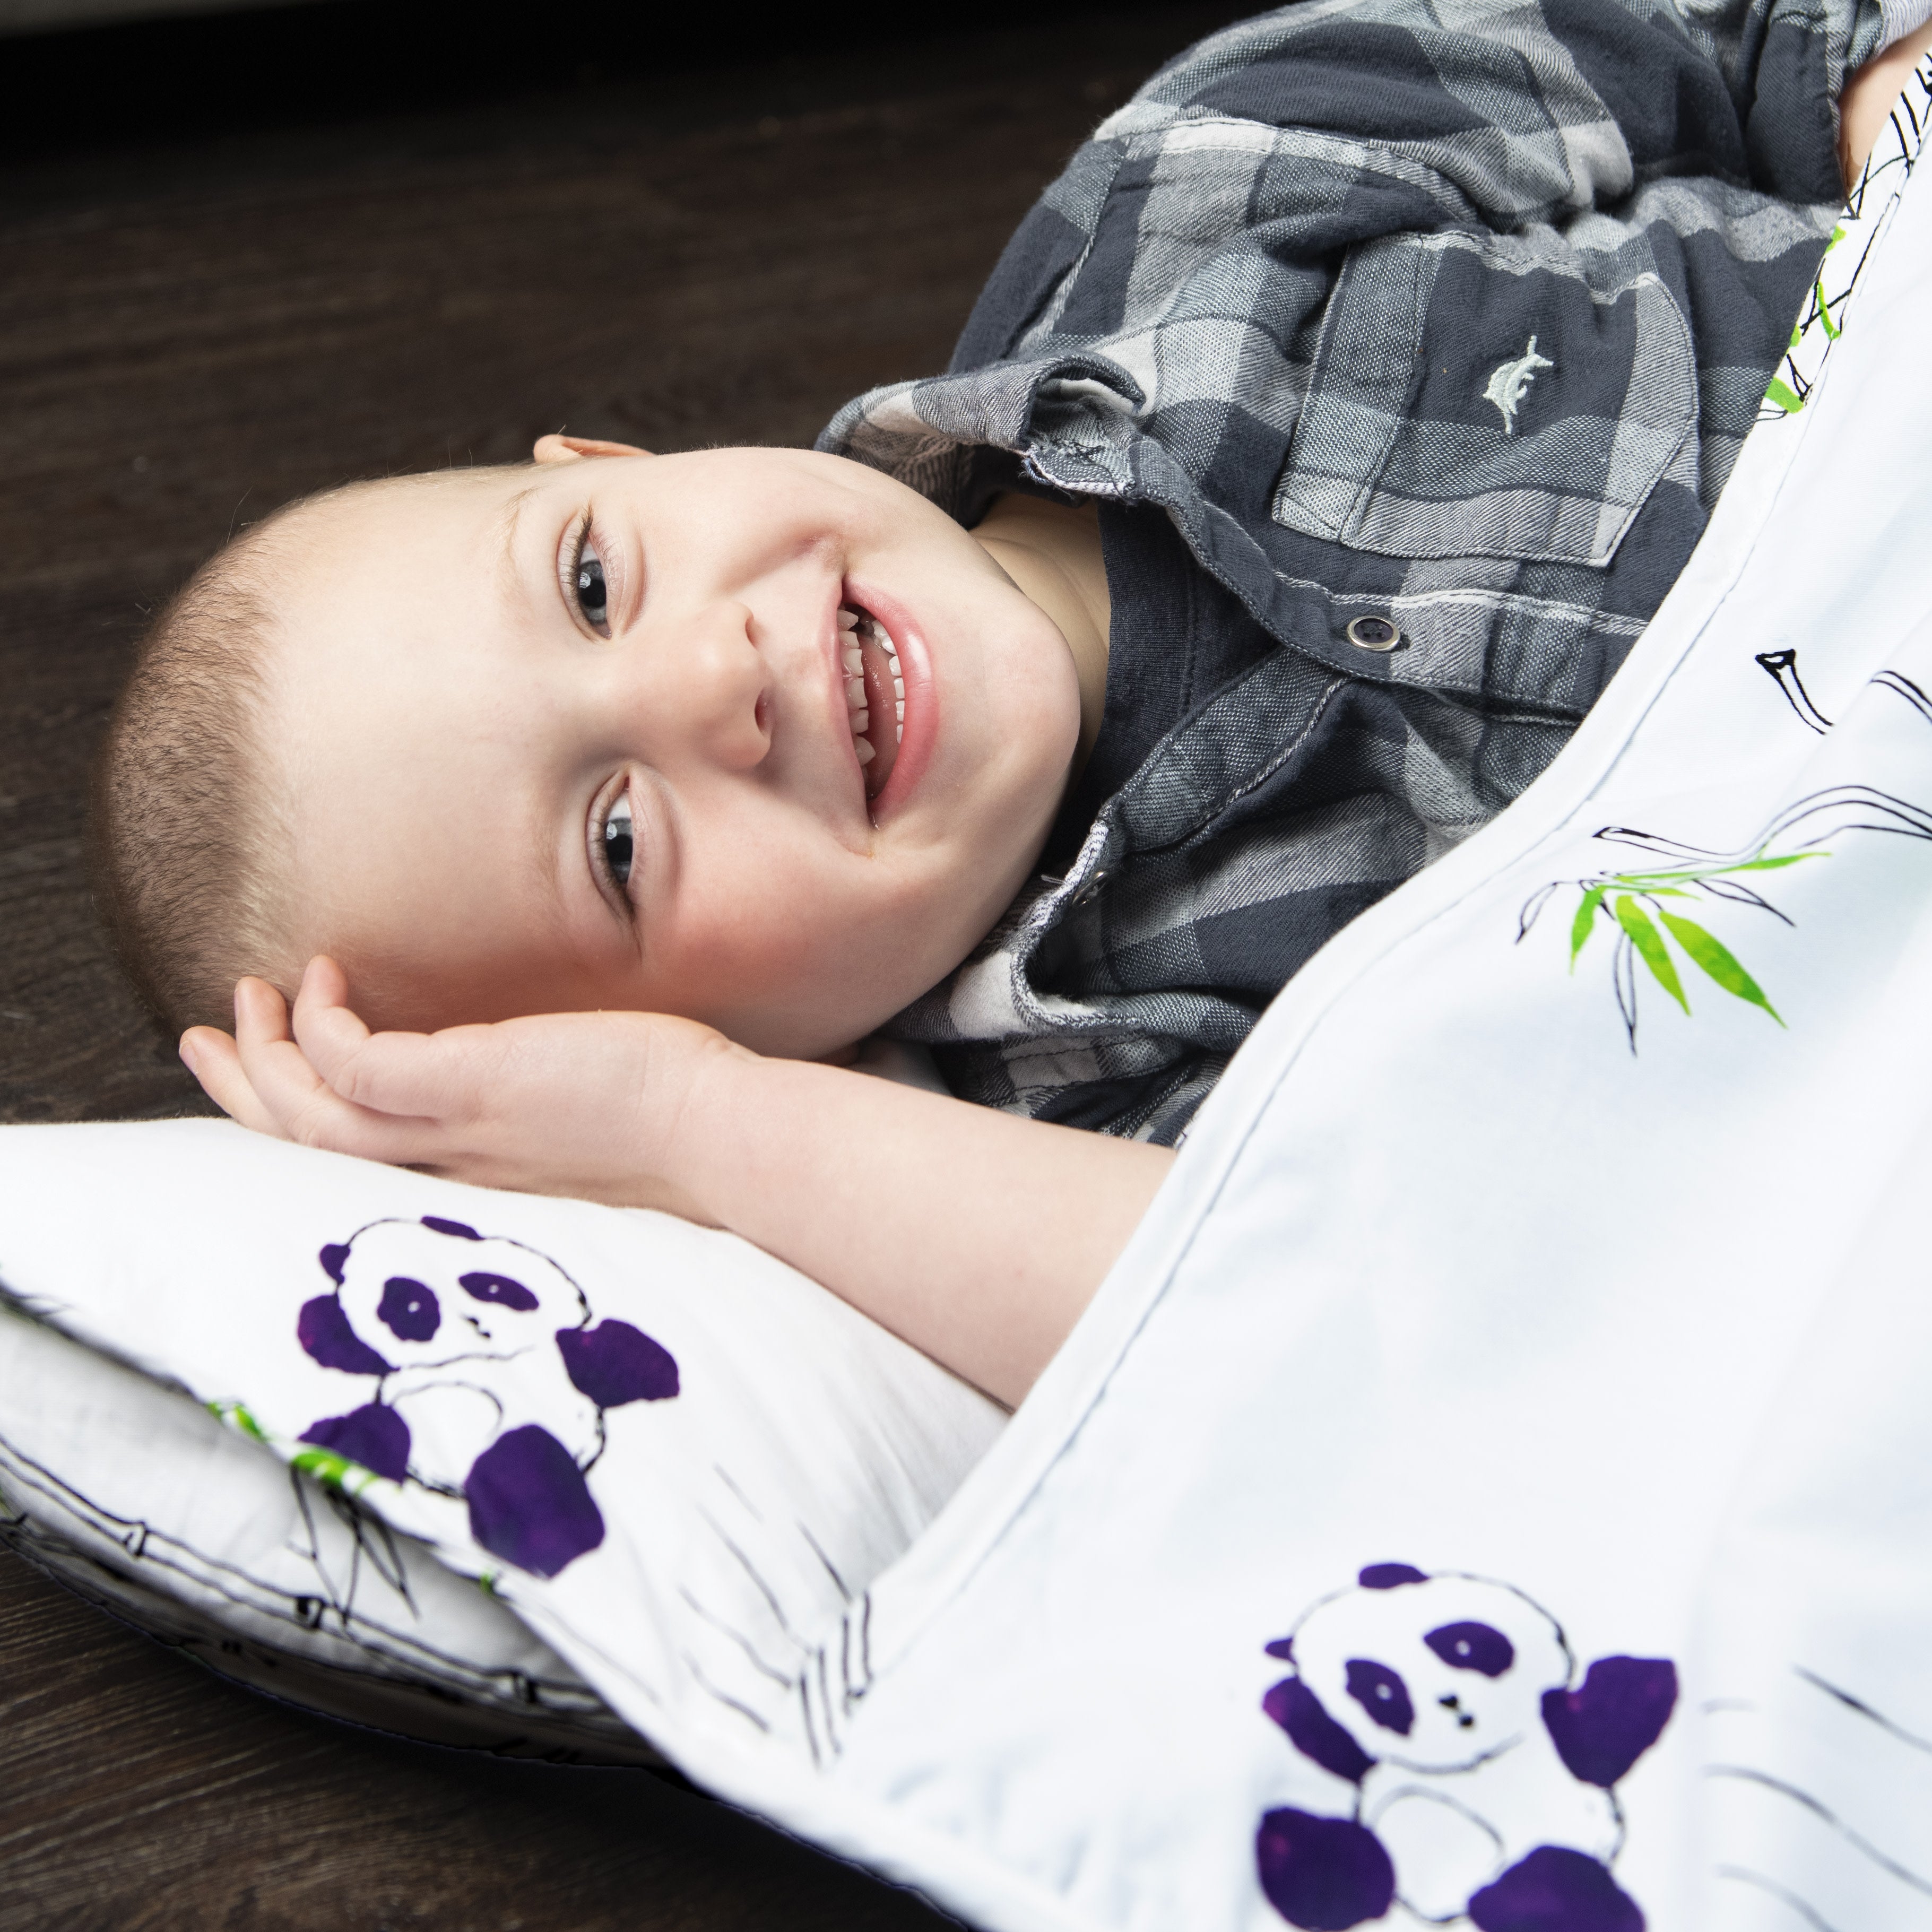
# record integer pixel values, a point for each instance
(1645, 907)
(1868, 210)
(1779, 1797)
(1471, 1765)
(1783, 667)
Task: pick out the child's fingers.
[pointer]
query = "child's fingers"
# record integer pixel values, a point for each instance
(329, 1034)
(427, 1077)
(323, 982)
(210, 1055)
(413, 1075)
(273, 1064)
(305, 1106)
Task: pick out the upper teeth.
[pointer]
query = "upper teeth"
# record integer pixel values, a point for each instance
(858, 624)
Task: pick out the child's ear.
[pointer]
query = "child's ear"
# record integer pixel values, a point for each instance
(568, 448)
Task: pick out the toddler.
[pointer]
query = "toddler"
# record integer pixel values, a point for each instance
(1316, 451)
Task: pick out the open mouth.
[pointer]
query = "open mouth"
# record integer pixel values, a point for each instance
(874, 693)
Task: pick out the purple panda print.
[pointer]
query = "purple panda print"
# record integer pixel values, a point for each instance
(1482, 1771)
(491, 1379)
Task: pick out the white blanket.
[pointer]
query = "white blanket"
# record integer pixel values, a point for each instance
(1494, 1487)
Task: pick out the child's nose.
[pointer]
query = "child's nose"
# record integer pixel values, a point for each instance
(719, 687)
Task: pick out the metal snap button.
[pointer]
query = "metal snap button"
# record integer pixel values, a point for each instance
(1373, 633)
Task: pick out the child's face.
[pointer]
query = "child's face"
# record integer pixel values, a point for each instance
(462, 711)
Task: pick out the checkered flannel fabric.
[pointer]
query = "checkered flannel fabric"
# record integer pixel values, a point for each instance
(1450, 313)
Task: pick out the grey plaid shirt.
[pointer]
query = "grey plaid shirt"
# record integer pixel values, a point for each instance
(1431, 329)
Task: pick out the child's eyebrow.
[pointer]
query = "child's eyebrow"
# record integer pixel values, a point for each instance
(550, 870)
(507, 520)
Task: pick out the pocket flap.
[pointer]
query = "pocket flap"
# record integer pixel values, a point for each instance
(1469, 399)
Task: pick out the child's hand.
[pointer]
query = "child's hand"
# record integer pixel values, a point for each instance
(1869, 96)
(583, 1104)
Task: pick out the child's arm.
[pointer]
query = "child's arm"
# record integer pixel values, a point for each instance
(978, 1236)
(1870, 95)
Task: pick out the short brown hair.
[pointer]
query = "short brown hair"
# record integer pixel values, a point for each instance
(185, 827)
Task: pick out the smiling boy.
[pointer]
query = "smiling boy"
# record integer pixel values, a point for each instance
(584, 756)
(1316, 454)
(626, 728)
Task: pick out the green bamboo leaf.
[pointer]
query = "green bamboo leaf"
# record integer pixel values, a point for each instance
(1650, 947)
(1657, 882)
(1824, 312)
(1785, 399)
(1773, 865)
(1717, 959)
(237, 1413)
(1584, 923)
(324, 1465)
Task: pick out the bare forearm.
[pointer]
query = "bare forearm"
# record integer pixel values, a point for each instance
(977, 1236)
(1869, 96)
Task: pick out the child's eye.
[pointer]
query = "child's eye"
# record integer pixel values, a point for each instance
(617, 841)
(580, 570)
(588, 582)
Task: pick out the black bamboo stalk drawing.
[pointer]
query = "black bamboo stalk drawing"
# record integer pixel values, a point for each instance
(1645, 907)
(1822, 321)
(1782, 667)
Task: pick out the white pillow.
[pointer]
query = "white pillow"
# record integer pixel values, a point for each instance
(557, 1399)
(140, 1499)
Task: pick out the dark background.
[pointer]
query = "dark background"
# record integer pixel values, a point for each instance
(244, 258)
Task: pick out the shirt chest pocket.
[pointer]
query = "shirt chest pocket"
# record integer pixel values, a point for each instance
(1468, 401)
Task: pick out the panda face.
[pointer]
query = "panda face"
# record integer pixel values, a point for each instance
(421, 1296)
(1436, 1674)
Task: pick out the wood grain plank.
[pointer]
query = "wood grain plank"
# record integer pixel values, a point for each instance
(138, 1792)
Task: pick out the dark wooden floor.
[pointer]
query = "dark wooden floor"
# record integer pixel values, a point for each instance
(140, 1794)
(204, 312)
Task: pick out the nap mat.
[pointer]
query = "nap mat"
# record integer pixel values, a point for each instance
(1494, 1486)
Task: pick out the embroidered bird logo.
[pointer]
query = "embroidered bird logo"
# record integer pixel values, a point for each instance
(1510, 383)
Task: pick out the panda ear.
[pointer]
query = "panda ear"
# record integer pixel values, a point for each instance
(1390, 1576)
